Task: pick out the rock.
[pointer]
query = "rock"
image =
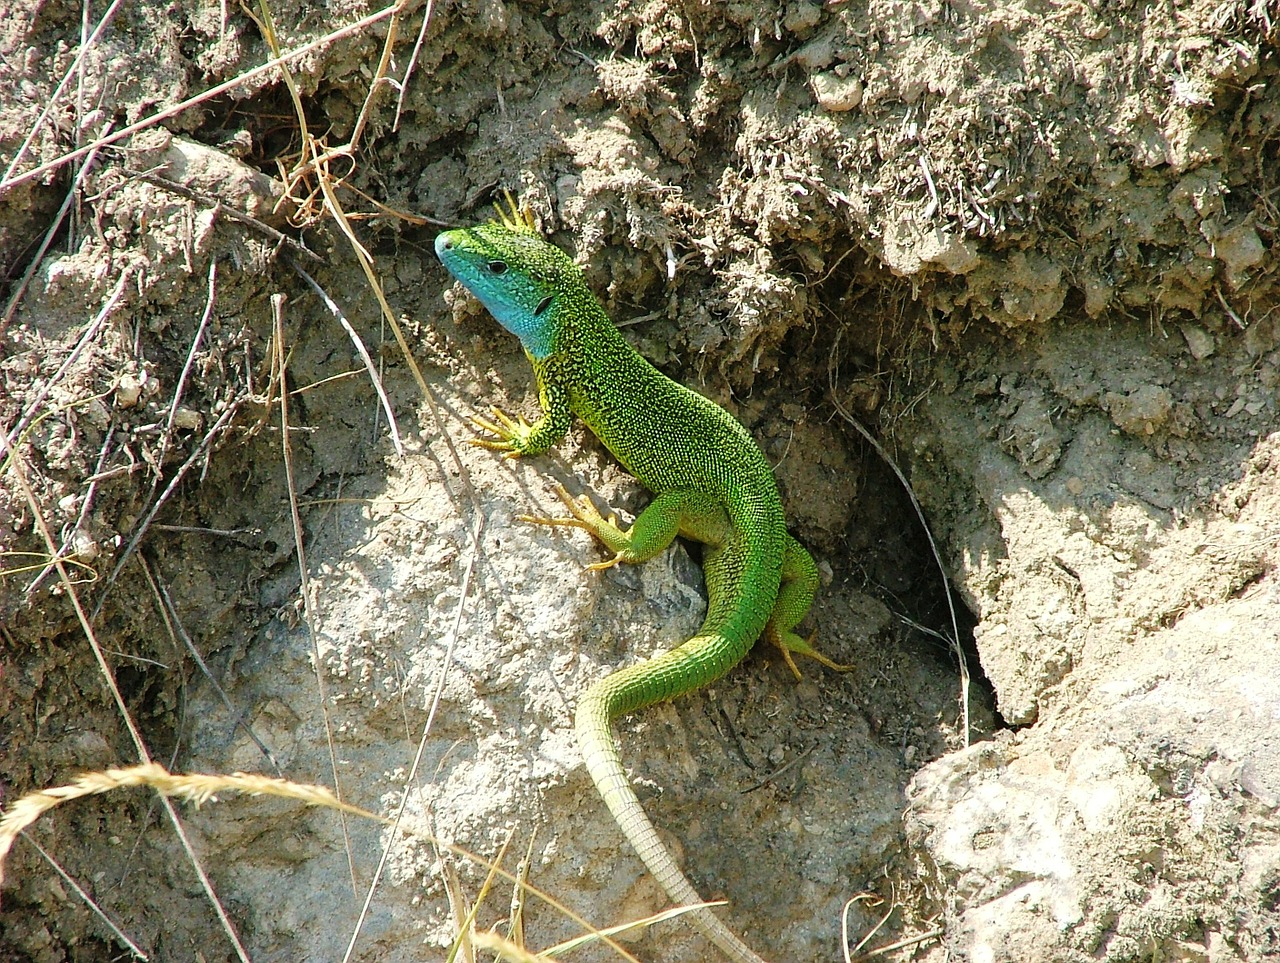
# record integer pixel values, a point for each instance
(1150, 797)
(835, 93)
(1140, 412)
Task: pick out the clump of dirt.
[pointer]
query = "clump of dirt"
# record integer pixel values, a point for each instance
(1028, 247)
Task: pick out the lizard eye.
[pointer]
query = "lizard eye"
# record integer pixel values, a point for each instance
(542, 305)
(497, 267)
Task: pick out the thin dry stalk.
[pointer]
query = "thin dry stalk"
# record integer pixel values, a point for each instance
(515, 931)
(460, 914)
(367, 265)
(901, 944)
(379, 75)
(360, 350)
(181, 387)
(88, 900)
(277, 311)
(413, 60)
(268, 28)
(193, 788)
(872, 899)
(389, 211)
(464, 915)
(507, 950)
(605, 935)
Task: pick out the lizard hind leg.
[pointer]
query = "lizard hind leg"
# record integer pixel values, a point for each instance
(585, 515)
(671, 513)
(795, 595)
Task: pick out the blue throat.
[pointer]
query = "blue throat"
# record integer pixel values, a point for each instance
(533, 330)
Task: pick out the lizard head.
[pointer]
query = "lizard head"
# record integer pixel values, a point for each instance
(514, 273)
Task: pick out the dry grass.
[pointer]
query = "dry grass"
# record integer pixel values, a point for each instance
(200, 789)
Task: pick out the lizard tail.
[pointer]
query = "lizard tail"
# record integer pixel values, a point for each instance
(624, 692)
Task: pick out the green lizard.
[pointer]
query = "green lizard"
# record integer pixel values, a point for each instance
(710, 482)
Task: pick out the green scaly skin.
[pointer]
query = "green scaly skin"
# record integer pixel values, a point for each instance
(710, 480)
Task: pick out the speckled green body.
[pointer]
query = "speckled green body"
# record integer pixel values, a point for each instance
(711, 483)
(674, 440)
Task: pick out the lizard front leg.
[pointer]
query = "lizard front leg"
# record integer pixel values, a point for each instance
(516, 436)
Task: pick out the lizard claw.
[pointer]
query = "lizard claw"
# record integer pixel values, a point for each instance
(789, 642)
(512, 434)
(583, 514)
(609, 563)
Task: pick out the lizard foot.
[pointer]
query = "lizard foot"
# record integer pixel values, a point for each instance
(789, 642)
(512, 433)
(588, 518)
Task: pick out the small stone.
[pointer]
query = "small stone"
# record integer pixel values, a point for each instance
(835, 93)
(816, 54)
(1140, 412)
(96, 414)
(83, 546)
(128, 390)
(1239, 249)
(802, 17)
(1199, 341)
